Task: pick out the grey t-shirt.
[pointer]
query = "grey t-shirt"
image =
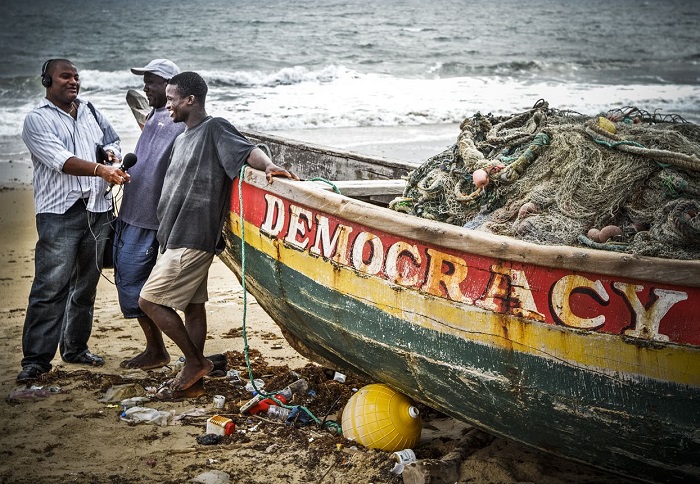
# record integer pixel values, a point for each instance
(140, 203)
(197, 188)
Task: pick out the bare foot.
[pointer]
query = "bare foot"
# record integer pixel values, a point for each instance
(191, 373)
(147, 360)
(168, 393)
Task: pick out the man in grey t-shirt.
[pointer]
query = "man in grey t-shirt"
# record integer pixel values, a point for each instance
(191, 212)
(135, 244)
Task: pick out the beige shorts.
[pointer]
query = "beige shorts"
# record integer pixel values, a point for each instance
(179, 278)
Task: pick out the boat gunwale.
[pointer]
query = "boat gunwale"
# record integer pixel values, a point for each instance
(326, 150)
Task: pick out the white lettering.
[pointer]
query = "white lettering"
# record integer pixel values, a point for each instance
(510, 285)
(408, 275)
(648, 321)
(450, 279)
(561, 292)
(376, 253)
(274, 216)
(299, 223)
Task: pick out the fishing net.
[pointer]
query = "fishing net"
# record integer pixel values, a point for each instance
(627, 180)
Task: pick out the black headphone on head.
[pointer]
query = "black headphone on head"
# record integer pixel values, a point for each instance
(45, 78)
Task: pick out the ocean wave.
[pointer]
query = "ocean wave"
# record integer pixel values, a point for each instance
(335, 96)
(283, 77)
(600, 71)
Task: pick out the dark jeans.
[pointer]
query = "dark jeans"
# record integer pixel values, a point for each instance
(67, 263)
(135, 254)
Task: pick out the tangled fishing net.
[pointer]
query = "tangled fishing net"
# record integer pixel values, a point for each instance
(626, 181)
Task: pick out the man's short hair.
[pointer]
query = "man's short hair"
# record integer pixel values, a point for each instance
(50, 64)
(190, 84)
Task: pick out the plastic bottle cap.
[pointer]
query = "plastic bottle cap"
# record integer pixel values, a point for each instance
(413, 412)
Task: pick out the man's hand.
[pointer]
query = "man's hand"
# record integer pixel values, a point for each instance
(113, 174)
(260, 161)
(111, 157)
(274, 170)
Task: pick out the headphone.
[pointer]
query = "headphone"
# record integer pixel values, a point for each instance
(45, 78)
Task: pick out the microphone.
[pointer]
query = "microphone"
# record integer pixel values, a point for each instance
(128, 161)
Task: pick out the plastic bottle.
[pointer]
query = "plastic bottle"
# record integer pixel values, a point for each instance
(402, 458)
(299, 386)
(220, 425)
(278, 413)
(259, 404)
(179, 364)
(251, 403)
(234, 376)
(405, 456)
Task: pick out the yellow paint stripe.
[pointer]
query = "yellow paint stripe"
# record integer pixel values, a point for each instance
(606, 353)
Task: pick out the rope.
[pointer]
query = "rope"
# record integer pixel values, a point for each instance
(335, 188)
(326, 424)
(518, 167)
(681, 160)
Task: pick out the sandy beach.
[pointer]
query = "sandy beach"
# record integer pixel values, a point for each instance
(69, 430)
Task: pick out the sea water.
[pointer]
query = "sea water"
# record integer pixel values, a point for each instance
(304, 65)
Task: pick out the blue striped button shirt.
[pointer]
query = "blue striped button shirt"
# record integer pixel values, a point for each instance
(53, 137)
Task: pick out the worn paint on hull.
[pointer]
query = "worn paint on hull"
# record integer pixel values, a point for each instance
(596, 368)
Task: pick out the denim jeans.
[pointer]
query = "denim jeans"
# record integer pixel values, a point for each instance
(135, 254)
(67, 267)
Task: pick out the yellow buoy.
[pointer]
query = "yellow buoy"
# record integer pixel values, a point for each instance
(607, 125)
(379, 417)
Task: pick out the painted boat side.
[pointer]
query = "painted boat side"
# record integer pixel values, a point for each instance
(634, 399)
(617, 423)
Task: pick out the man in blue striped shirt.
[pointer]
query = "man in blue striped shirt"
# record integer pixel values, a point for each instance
(72, 219)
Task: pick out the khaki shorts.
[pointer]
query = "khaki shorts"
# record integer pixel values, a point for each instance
(179, 278)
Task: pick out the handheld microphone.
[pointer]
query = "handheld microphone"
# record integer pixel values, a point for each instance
(128, 161)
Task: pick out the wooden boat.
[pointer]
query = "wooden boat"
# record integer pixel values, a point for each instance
(590, 355)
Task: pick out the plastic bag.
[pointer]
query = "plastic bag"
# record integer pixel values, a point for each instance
(146, 415)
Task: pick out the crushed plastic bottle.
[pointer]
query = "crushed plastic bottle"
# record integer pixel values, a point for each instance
(259, 384)
(234, 376)
(299, 386)
(278, 413)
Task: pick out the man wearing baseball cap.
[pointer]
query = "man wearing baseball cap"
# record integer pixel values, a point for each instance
(135, 244)
(163, 68)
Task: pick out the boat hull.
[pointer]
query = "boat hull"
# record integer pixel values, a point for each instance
(587, 364)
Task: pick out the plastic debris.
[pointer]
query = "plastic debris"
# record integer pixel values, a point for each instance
(299, 417)
(21, 395)
(117, 393)
(259, 384)
(146, 415)
(212, 477)
(209, 439)
(133, 402)
(193, 412)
